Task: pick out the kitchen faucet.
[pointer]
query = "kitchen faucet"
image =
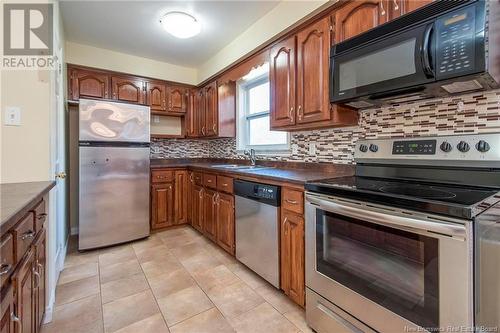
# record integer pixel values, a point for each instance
(251, 154)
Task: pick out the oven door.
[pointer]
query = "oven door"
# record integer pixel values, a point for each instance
(395, 63)
(392, 270)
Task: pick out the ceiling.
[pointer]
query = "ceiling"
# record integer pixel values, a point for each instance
(133, 27)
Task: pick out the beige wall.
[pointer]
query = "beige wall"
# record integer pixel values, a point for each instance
(107, 59)
(275, 21)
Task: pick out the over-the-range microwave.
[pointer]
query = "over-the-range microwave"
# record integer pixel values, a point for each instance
(446, 47)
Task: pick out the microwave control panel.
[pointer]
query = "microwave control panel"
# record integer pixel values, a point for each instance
(455, 34)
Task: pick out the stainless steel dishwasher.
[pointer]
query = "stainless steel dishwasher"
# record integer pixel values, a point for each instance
(257, 228)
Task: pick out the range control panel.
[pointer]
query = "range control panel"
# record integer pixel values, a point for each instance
(456, 41)
(414, 147)
(475, 149)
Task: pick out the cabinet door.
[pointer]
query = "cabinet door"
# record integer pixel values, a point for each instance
(225, 222)
(226, 109)
(356, 17)
(209, 214)
(162, 205)
(128, 90)
(181, 197)
(156, 96)
(292, 256)
(176, 99)
(211, 109)
(200, 107)
(39, 281)
(192, 125)
(282, 83)
(23, 280)
(313, 49)
(85, 83)
(6, 312)
(197, 209)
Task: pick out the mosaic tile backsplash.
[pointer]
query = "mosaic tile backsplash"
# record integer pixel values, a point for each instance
(466, 114)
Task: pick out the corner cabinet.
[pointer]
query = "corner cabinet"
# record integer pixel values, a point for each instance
(299, 82)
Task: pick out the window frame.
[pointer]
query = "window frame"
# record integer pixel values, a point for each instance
(244, 118)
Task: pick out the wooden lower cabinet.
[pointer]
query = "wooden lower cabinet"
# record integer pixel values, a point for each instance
(23, 281)
(197, 207)
(162, 205)
(181, 196)
(292, 256)
(210, 214)
(225, 222)
(7, 311)
(39, 270)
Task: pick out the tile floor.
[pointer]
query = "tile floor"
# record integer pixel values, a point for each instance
(175, 281)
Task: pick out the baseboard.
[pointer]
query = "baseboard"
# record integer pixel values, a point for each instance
(60, 257)
(74, 231)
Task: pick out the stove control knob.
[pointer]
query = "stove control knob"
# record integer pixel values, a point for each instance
(446, 147)
(482, 146)
(363, 148)
(463, 146)
(373, 148)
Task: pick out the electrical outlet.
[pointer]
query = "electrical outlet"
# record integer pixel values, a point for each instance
(312, 148)
(12, 116)
(156, 119)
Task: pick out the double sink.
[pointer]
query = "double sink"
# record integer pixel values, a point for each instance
(240, 167)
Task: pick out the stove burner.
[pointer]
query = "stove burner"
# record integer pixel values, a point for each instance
(418, 191)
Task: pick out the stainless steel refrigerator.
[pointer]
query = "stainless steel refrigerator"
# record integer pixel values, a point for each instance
(114, 173)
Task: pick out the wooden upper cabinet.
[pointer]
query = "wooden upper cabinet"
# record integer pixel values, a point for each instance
(177, 99)
(84, 83)
(192, 115)
(132, 90)
(282, 83)
(225, 222)
(156, 94)
(356, 17)
(211, 109)
(226, 113)
(313, 49)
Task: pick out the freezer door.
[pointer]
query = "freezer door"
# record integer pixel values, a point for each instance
(110, 122)
(114, 195)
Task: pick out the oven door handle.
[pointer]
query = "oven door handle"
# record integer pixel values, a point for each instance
(387, 219)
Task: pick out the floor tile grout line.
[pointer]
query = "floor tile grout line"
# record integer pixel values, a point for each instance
(100, 291)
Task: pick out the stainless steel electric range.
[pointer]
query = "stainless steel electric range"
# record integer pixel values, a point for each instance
(411, 242)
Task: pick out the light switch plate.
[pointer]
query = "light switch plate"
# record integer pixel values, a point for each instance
(312, 148)
(12, 116)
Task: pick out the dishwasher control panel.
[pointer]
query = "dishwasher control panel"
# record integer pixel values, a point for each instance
(265, 193)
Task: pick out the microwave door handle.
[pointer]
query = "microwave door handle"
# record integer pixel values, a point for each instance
(427, 66)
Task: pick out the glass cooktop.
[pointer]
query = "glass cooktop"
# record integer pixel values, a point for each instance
(453, 200)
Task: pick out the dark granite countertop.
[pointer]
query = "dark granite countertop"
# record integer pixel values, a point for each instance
(17, 198)
(294, 172)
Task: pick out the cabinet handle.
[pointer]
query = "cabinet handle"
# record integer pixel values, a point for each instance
(284, 222)
(203, 130)
(214, 127)
(5, 268)
(191, 178)
(16, 320)
(28, 234)
(290, 114)
(299, 111)
(382, 8)
(37, 280)
(396, 6)
(41, 216)
(209, 180)
(39, 265)
(293, 202)
(225, 185)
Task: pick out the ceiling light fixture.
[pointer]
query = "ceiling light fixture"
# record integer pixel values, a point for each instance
(180, 24)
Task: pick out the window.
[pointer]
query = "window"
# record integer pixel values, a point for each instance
(253, 114)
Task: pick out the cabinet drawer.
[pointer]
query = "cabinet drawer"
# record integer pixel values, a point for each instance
(162, 176)
(40, 215)
(225, 184)
(7, 261)
(24, 233)
(198, 178)
(210, 180)
(293, 200)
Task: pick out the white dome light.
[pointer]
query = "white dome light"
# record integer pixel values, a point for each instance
(180, 25)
